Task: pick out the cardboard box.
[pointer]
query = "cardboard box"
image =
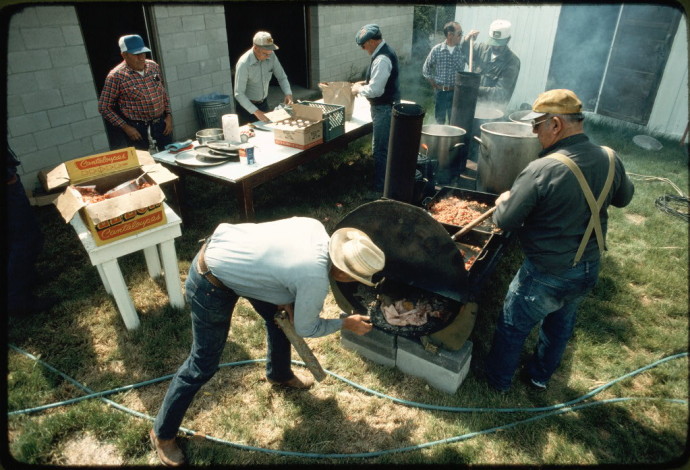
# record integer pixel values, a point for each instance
(305, 137)
(121, 216)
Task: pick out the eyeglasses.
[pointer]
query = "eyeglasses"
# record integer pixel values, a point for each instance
(536, 124)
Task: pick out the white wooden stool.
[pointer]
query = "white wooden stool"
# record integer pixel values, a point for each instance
(158, 245)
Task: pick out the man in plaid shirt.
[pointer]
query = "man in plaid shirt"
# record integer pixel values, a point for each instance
(134, 99)
(440, 67)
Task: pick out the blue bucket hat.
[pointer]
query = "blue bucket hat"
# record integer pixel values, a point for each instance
(369, 31)
(132, 44)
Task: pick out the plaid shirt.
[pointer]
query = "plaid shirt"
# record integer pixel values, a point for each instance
(139, 98)
(441, 66)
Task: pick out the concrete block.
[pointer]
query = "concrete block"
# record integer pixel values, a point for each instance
(444, 370)
(376, 345)
(43, 38)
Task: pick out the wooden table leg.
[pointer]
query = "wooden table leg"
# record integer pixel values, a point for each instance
(245, 200)
(121, 293)
(104, 279)
(153, 262)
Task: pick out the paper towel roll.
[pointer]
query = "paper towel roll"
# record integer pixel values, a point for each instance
(231, 127)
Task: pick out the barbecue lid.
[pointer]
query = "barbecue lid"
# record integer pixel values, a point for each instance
(419, 250)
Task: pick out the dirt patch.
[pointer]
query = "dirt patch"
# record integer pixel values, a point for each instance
(87, 450)
(635, 218)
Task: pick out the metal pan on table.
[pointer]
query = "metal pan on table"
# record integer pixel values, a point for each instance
(192, 158)
(208, 153)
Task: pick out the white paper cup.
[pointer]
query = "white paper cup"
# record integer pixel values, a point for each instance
(243, 160)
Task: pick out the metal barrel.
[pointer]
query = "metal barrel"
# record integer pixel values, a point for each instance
(403, 147)
(464, 104)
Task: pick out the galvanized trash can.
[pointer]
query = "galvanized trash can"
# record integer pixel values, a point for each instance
(210, 109)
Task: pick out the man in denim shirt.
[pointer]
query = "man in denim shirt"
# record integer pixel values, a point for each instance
(280, 265)
(443, 62)
(548, 208)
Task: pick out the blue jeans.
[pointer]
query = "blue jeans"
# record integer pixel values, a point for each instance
(211, 314)
(535, 297)
(381, 122)
(444, 106)
(157, 129)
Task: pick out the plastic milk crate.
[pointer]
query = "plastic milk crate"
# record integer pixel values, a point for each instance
(333, 119)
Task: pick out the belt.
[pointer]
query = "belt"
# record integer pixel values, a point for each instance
(202, 268)
(152, 121)
(445, 88)
(258, 102)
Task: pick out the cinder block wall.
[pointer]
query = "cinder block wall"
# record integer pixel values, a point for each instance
(52, 106)
(336, 56)
(194, 57)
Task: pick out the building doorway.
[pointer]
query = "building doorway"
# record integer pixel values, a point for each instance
(287, 23)
(102, 24)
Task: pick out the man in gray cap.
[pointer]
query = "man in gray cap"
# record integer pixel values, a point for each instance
(134, 98)
(253, 73)
(498, 65)
(382, 88)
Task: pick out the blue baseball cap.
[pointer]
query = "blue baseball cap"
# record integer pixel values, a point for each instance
(132, 44)
(369, 31)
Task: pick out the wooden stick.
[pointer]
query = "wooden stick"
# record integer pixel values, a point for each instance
(473, 224)
(300, 346)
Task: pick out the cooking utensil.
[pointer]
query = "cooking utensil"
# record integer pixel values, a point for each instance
(471, 51)
(127, 186)
(205, 136)
(260, 126)
(473, 224)
(206, 153)
(224, 145)
(191, 158)
(506, 149)
(300, 346)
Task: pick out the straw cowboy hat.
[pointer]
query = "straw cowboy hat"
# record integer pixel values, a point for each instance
(353, 252)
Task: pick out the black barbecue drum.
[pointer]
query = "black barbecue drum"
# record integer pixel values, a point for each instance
(425, 277)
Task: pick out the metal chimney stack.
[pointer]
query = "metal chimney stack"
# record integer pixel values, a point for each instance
(464, 105)
(403, 147)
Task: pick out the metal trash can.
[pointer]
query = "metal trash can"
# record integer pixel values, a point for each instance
(211, 108)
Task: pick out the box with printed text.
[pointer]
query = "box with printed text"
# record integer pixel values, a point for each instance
(116, 193)
(304, 137)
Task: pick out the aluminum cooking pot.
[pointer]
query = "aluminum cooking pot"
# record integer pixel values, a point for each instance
(518, 115)
(506, 148)
(441, 144)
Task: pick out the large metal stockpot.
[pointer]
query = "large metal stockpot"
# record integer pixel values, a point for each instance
(443, 146)
(506, 148)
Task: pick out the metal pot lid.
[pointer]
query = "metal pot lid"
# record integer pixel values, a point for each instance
(419, 251)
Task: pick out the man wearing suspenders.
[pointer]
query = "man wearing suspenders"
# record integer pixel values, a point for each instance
(558, 208)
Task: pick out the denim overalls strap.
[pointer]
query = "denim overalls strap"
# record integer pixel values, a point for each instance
(595, 205)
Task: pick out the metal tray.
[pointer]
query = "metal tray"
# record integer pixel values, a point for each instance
(467, 195)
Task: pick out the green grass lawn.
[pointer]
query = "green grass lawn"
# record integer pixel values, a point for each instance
(637, 314)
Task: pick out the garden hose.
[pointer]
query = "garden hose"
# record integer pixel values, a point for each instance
(676, 206)
(546, 412)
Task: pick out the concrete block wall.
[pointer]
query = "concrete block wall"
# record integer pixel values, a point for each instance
(335, 55)
(52, 105)
(194, 57)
